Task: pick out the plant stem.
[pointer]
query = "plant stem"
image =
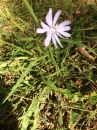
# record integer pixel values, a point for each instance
(52, 58)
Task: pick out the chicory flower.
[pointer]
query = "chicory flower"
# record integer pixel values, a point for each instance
(54, 30)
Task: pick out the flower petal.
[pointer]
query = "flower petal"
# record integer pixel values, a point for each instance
(56, 17)
(44, 25)
(57, 33)
(40, 30)
(57, 39)
(67, 28)
(48, 39)
(54, 40)
(67, 22)
(65, 34)
(49, 17)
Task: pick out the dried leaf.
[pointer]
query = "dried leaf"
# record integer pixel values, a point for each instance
(84, 52)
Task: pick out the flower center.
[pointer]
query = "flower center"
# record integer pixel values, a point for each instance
(52, 30)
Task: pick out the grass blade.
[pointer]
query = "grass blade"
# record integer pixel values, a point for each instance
(22, 76)
(31, 11)
(11, 44)
(34, 107)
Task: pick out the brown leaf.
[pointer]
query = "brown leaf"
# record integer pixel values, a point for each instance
(84, 52)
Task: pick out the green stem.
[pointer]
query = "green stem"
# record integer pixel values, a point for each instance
(52, 58)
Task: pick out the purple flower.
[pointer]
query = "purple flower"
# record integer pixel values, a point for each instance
(53, 30)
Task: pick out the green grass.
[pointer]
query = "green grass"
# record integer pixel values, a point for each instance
(47, 87)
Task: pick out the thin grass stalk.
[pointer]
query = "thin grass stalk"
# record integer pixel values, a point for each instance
(31, 11)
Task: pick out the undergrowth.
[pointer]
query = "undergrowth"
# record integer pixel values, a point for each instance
(34, 93)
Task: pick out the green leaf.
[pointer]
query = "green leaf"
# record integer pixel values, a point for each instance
(91, 116)
(33, 108)
(50, 84)
(76, 98)
(68, 94)
(73, 116)
(92, 101)
(17, 47)
(27, 70)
